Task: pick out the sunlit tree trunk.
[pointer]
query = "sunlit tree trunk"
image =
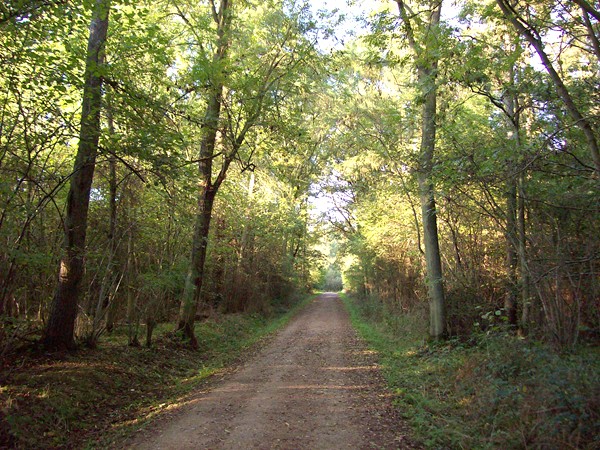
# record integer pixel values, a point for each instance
(133, 319)
(427, 64)
(522, 251)
(512, 260)
(61, 322)
(207, 189)
(510, 300)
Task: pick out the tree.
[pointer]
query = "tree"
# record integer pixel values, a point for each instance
(60, 327)
(426, 63)
(244, 77)
(208, 188)
(533, 36)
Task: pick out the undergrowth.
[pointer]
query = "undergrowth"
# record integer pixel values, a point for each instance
(495, 391)
(93, 398)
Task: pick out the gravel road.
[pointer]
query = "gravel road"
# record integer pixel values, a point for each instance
(313, 386)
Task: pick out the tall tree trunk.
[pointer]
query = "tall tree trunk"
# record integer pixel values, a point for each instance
(60, 327)
(510, 299)
(522, 250)
(433, 261)
(195, 276)
(103, 316)
(133, 320)
(208, 188)
(582, 122)
(512, 261)
(112, 230)
(427, 64)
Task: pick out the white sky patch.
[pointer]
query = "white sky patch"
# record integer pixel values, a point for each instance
(326, 204)
(352, 11)
(329, 200)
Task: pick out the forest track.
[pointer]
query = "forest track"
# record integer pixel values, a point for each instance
(314, 386)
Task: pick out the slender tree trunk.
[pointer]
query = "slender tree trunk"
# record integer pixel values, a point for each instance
(195, 277)
(522, 250)
(427, 64)
(103, 316)
(512, 261)
(133, 320)
(240, 292)
(592, 36)
(208, 189)
(246, 231)
(518, 269)
(112, 230)
(591, 10)
(433, 261)
(510, 300)
(60, 327)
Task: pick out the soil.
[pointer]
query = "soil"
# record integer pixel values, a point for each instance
(315, 385)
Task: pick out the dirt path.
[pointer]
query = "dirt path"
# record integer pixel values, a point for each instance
(314, 386)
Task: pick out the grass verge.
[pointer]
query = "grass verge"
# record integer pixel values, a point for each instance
(496, 391)
(95, 397)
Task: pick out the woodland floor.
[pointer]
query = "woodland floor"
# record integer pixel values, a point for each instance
(315, 385)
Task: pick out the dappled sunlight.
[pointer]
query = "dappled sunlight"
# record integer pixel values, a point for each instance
(69, 366)
(353, 368)
(233, 388)
(465, 401)
(153, 412)
(364, 352)
(310, 387)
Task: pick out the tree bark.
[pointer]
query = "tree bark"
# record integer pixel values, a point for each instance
(593, 37)
(512, 261)
(426, 72)
(208, 189)
(133, 320)
(195, 276)
(522, 251)
(112, 236)
(112, 233)
(585, 6)
(59, 332)
(510, 300)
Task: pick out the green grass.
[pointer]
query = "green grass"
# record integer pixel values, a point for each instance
(94, 397)
(496, 391)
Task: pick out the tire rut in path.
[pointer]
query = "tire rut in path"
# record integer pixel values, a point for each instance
(314, 386)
